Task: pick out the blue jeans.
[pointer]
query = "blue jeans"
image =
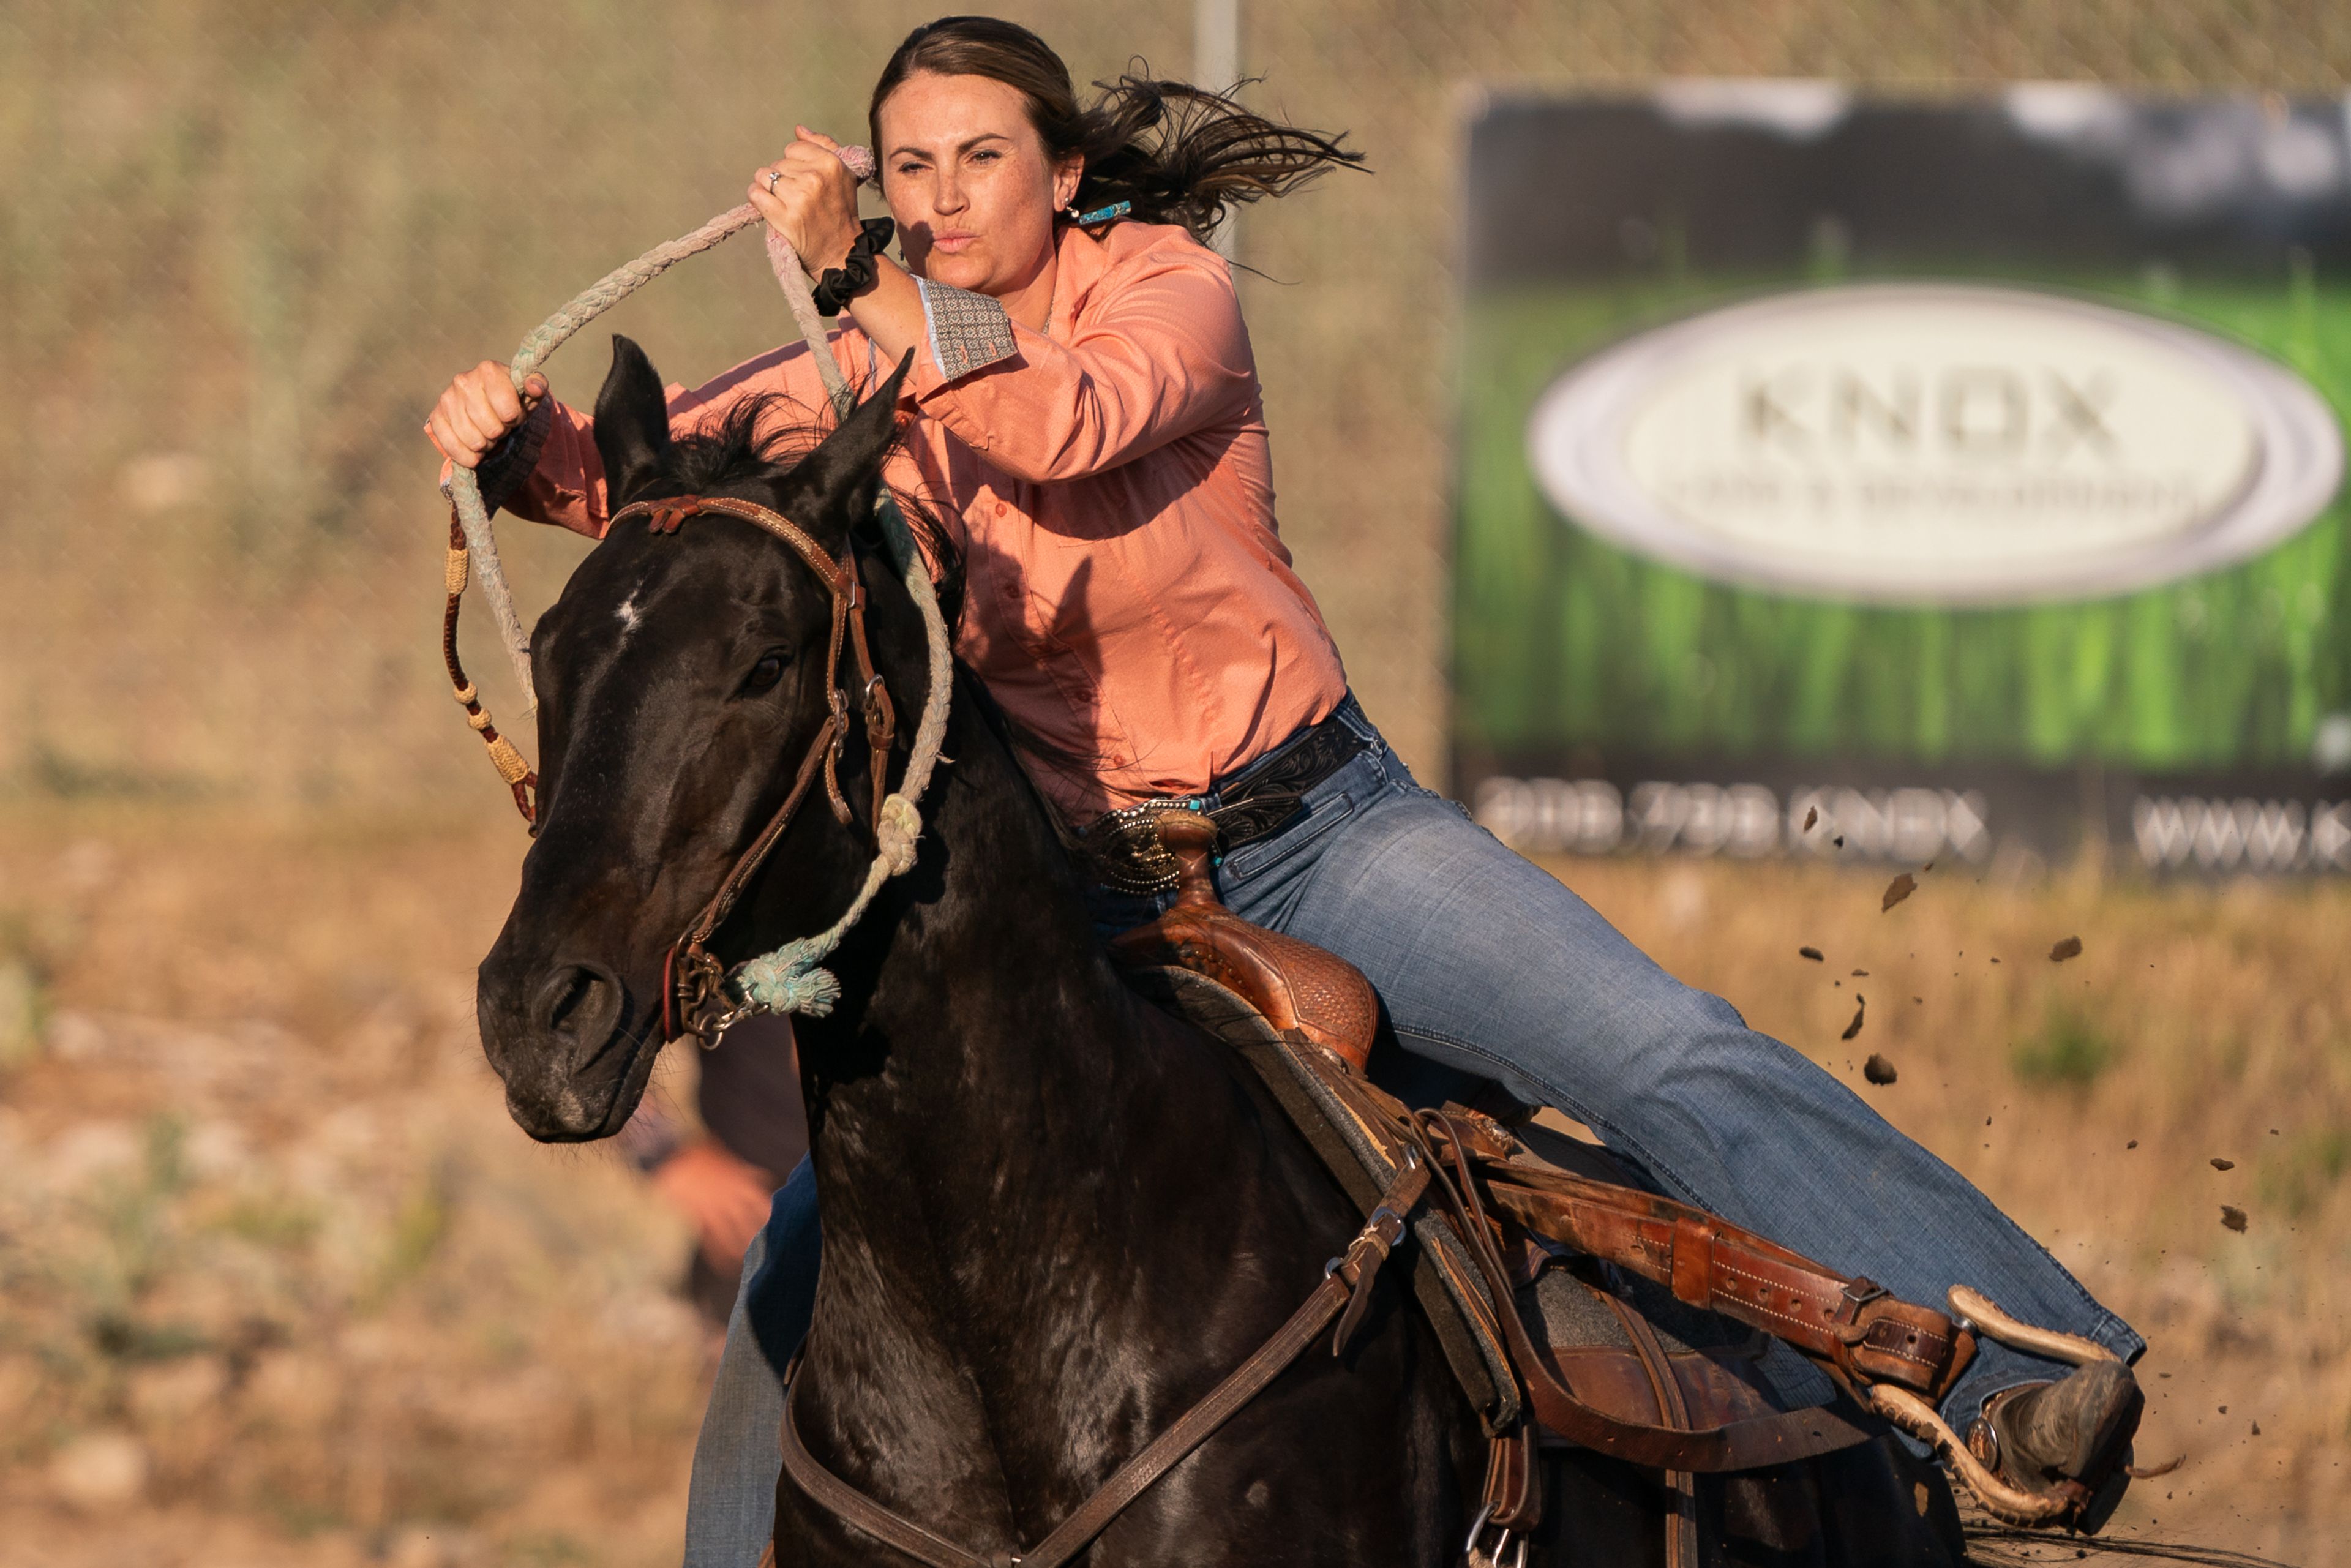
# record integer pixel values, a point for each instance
(1490, 965)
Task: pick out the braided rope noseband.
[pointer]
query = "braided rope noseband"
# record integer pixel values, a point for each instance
(790, 979)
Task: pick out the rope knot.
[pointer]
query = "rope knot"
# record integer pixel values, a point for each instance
(901, 826)
(790, 980)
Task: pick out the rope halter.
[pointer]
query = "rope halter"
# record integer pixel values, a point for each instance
(699, 997)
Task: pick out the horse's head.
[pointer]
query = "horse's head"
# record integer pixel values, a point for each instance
(682, 677)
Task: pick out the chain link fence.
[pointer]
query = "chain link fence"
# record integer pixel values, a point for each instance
(245, 242)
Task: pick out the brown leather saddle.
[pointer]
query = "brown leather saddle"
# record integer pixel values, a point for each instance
(1295, 986)
(1573, 1306)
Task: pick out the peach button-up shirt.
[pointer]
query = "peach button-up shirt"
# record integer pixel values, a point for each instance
(1108, 480)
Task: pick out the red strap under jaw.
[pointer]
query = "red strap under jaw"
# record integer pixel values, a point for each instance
(669, 994)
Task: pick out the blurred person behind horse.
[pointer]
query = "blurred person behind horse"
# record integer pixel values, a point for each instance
(719, 1168)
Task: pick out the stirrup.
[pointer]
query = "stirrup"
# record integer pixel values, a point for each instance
(2064, 1503)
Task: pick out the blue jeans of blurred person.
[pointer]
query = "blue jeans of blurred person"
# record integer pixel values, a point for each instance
(1489, 965)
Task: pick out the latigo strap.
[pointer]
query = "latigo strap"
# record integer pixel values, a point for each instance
(1745, 1444)
(1862, 1334)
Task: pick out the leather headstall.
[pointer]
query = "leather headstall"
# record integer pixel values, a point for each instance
(694, 982)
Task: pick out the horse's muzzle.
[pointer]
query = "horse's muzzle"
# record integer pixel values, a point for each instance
(562, 1039)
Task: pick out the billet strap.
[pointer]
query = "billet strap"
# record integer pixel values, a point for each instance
(517, 774)
(1681, 1518)
(1512, 1497)
(1343, 1294)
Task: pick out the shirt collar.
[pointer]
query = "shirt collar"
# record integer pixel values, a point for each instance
(1079, 262)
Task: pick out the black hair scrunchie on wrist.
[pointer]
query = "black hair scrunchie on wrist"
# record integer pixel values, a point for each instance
(858, 273)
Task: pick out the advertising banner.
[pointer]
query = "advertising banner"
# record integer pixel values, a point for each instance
(1903, 481)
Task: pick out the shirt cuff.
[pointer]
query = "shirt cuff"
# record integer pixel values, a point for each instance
(967, 331)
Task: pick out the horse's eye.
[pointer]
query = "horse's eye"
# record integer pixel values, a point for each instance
(766, 672)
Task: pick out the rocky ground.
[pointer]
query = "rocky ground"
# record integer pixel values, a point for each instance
(279, 1284)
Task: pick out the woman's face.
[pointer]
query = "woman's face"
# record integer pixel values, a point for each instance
(969, 182)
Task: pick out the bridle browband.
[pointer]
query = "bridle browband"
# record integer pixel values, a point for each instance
(694, 999)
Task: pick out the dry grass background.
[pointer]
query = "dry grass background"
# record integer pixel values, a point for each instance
(245, 242)
(278, 1283)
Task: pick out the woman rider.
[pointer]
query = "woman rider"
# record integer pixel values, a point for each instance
(1085, 409)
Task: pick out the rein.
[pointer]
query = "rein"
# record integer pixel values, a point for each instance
(790, 979)
(1344, 1294)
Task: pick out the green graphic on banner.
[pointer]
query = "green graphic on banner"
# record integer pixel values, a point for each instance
(2049, 527)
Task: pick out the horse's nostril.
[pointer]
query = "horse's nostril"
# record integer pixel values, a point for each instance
(568, 998)
(568, 994)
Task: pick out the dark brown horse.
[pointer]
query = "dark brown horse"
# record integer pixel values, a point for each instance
(1054, 1217)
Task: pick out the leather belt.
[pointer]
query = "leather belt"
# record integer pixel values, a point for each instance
(1123, 848)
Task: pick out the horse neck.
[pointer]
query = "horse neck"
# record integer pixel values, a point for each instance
(984, 1059)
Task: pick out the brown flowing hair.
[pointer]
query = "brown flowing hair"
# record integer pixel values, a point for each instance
(1177, 153)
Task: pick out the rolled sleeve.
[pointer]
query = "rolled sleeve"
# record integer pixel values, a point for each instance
(1167, 355)
(965, 331)
(550, 471)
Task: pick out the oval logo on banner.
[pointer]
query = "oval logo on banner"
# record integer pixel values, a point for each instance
(1935, 445)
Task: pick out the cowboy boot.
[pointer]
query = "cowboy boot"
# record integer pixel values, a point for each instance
(2073, 1434)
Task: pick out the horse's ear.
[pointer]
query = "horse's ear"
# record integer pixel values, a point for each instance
(841, 475)
(631, 422)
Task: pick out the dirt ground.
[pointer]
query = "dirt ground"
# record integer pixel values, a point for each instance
(279, 1283)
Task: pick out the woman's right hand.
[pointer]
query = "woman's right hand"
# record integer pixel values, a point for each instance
(725, 1198)
(479, 408)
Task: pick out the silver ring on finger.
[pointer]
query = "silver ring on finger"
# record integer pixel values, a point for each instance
(773, 175)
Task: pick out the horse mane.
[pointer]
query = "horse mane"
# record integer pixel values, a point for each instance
(759, 438)
(762, 438)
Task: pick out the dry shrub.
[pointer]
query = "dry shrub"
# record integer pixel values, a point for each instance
(2070, 1051)
(268, 1218)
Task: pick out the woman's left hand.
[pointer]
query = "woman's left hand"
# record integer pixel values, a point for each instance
(810, 197)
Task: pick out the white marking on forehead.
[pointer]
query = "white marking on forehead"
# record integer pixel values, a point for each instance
(627, 615)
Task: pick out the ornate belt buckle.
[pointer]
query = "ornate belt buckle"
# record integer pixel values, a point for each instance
(1124, 847)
